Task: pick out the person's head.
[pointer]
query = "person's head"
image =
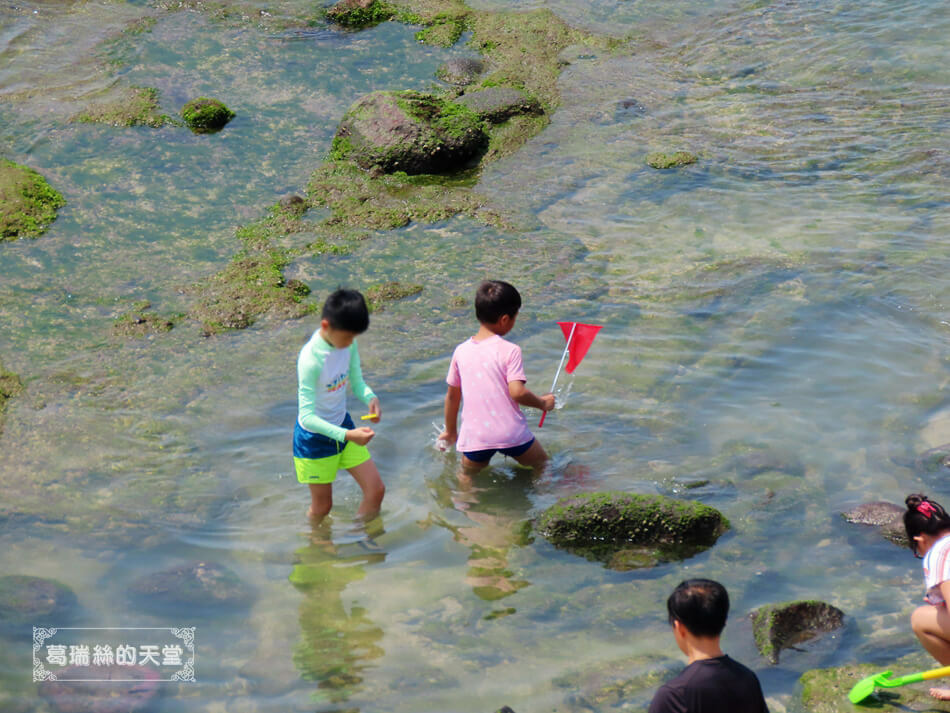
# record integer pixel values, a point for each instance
(700, 606)
(344, 316)
(925, 521)
(496, 305)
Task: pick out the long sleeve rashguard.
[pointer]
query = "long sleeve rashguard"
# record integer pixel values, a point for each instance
(323, 372)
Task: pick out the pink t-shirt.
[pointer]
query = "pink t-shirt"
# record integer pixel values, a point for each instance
(490, 417)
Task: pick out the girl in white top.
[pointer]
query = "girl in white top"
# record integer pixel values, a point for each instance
(928, 532)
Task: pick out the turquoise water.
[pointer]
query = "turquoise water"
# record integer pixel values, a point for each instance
(785, 295)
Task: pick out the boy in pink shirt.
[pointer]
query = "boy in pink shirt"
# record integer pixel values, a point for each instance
(487, 378)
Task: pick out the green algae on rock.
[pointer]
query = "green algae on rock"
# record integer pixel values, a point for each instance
(139, 322)
(10, 386)
(780, 626)
(409, 131)
(357, 14)
(601, 525)
(460, 70)
(134, 106)
(442, 34)
(28, 204)
(378, 295)
(826, 690)
(205, 115)
(671, 160)
(27, 601)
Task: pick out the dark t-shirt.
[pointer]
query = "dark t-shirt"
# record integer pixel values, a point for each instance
(718, 685)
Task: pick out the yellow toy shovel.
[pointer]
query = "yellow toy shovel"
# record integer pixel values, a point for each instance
(865, 687)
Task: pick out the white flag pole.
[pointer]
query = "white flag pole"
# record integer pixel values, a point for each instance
(558, 372)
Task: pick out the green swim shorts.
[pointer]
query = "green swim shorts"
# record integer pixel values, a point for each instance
(324, 470)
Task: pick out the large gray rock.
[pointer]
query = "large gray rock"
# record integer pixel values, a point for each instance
(496, 104)
(780, 626)
(629, 531)
(409, 131)
(887, 517)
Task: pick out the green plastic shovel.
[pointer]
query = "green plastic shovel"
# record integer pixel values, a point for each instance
(865, 687)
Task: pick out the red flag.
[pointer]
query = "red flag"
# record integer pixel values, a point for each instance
(579, 344)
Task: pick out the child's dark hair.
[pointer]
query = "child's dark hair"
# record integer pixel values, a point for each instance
(495, 298)
(701, 605)
(923, 517)
(346, 309)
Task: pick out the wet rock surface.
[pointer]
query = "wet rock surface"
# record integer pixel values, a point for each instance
(460, 70)
(103, 696)
(887, 517)
(781, 626)
(10, 386)
(197, 585)
(496, 104)
(629, 531)
(671, 160)
(356, 14)
(27, 601)
(205, 115)
(408, 131)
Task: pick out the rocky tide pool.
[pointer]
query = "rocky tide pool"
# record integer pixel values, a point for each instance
(750, 197)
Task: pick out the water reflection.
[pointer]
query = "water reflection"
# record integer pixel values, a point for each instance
(496, 503)
(337, 645)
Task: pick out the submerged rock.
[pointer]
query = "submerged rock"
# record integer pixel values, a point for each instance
(497, 104)
(103, 696)
(780, 626)
(10, 386)
(359, 13)
(629, 530)
(378, 295)
(671, 160)
(28, 204)
(934, 460)
(135, 106)
(293, 204)
(139, 322)
(460, 70)
(196, 585)
(27, 601)
(205, 115)
(887, 517)
(408, 131)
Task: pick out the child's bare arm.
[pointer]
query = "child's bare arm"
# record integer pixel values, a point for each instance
(524, 396)
(453, 399)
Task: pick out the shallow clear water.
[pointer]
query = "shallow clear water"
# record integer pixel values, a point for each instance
(786, 293)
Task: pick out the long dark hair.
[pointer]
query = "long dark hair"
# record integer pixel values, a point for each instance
(923, 517)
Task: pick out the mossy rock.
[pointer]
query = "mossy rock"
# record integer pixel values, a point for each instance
(135, 106)
(460, 70)
(934, 460)
(441, 34)
(780, 626)
(10, 386)
(671, 160)
(378, 295)
(27, 601)
(600, 526)
(205, 115)
(139, 322)
(357, 14)
(497, 104)
(135, 694)
(195, 586)
(28, 204)
(826, 690)
(409, 131)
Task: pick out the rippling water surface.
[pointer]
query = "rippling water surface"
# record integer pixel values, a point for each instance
(775, 322)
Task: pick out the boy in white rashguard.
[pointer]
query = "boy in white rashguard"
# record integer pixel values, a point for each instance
(325, 437)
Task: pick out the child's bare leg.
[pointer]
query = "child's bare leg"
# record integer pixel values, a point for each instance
(321, 500)
(471, 467)
(367, 477)
(932, 626)
(535, 457)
